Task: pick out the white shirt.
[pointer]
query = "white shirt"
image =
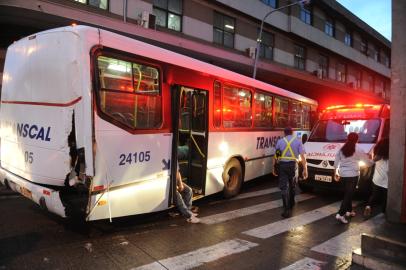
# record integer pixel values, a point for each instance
(349, 166)
(381, 173)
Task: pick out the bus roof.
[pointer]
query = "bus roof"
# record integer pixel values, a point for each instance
(119, 42)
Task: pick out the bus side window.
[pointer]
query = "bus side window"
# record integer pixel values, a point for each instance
(262, 110)
(129, 93)
(281, 112)
(217, 110)
(236, 107)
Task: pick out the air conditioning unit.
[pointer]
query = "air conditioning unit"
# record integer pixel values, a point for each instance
(148, 20)
(251, 52)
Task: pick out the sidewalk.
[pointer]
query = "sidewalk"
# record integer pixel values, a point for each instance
(384, 249)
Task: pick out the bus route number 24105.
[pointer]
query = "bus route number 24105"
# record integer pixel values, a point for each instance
(133, 158)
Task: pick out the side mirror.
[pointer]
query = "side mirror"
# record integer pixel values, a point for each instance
(304, 138)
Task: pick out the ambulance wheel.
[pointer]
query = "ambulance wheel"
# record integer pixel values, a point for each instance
(232, 177)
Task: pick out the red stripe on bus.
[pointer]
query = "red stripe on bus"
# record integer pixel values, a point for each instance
(43, 103)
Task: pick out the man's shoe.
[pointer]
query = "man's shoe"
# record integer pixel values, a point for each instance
(195, 214)
(286, 214)
(367, 211)
(193, 219)
(341, 219)
(194, 209)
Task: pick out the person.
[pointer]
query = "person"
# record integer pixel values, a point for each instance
(346, 165)
(380, 178)
(183, 201)
(288, 149)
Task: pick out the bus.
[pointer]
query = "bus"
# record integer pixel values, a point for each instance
(370, 121)
(93, 124)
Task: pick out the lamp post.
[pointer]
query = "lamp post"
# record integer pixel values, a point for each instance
(262, 26)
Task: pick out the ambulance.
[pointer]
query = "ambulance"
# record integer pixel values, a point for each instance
(370, 121)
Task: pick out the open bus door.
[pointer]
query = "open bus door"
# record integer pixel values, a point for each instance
(190, 137)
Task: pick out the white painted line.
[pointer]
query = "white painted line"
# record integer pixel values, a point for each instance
(217, 218)
(306, 264)
(285, 225)
(343, 244)
(199, 257)
(255, 193)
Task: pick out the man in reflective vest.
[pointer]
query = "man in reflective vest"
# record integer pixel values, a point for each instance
(288, 150)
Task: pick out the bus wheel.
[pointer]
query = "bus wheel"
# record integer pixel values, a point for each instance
(232, 177)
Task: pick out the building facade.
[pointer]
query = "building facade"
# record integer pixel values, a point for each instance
(319, 50)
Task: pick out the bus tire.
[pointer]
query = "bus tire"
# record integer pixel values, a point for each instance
(232, 177)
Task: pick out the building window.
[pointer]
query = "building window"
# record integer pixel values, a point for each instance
(364, 46)
(329, 27)
(369, 82)
(223, 30)
(341, 72)
(266, 45)
(305, 14)
(379, 86)
(348, 38)
(322, 72)
(377, 55)
(102, 4)
(385, 60)
(168, 14)
(300, 57)
(271, 3)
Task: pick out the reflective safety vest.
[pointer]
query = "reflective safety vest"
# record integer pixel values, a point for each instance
(288, 148)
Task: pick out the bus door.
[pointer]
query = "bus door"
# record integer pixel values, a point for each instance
(190, 136)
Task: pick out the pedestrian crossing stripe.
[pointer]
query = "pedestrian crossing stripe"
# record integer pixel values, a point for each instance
(305, 264)
(255, 193)
(225, 216)
(200, 256)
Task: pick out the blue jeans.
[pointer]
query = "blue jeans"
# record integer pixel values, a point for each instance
(184, 201)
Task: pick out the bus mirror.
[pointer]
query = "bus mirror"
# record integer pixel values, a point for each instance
(304, 138)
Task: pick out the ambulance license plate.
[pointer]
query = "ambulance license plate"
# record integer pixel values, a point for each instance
(323, 178)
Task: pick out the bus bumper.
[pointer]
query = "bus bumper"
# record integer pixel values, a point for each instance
(47, 198)
(324, 178)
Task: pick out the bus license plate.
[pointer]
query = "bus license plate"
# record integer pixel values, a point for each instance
(323, 178)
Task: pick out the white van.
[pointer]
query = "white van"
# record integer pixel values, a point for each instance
(371, 122)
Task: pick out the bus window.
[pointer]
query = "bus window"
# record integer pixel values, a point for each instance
(217, 104)
(236, 107)
(295, 114)
(263, 110)
(281, 112)
(130, 93)
(306, 116)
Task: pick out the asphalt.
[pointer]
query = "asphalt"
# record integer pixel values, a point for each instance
(5, 192)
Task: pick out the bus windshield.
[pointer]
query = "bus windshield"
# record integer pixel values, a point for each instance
(336, 130)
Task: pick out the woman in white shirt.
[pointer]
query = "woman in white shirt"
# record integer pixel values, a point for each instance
(346, 166)
(380, 179)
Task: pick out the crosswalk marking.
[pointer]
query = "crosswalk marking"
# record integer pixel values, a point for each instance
(255, 193)
(198, 257)
(343, 244)
(305, 264)
(285, 225)
(225, 216)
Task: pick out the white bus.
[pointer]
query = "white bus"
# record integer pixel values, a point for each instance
(91, 122)
(370, 121)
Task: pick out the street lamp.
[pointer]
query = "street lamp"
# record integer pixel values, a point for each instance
(262, 26)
